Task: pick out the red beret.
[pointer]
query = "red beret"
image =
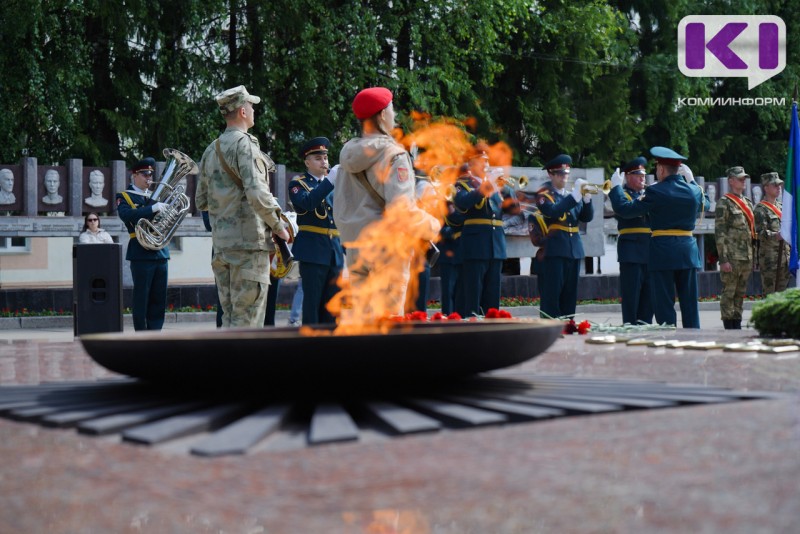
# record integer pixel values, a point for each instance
(370, 101)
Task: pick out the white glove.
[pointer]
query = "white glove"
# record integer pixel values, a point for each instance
(686, 172)
(332, 174)
(576, 191)
(587, 198)
(616, 178)
(158, 206)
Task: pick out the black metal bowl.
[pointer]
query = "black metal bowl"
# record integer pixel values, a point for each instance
(286, 357)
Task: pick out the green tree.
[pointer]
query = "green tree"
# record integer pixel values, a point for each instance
(45, 78)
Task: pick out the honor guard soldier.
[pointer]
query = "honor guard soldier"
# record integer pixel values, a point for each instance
(673, 205)
(735, 233)
(563, 250)
(233, 187)
(148, 267)
(317, 246)
(633, 248)
(483, 242)
(773, 251)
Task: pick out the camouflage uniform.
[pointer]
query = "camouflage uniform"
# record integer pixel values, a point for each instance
(768, 227)
(735, 246)
(242, 222)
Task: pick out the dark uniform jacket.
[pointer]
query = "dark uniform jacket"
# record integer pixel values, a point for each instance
(450, 241)
(482, 236)
(633, 243)
(562, 215)
(672, 205)
(132, 206)
(317, 239)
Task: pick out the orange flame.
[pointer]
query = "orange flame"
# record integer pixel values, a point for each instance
(391, 251)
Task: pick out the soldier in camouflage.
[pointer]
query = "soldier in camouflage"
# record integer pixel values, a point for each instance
(234, 188)
(734, 230)
(773, 251)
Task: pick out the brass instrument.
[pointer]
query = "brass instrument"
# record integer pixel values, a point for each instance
(156, 234)
(515, 182)
(593, 189)
(283, 261)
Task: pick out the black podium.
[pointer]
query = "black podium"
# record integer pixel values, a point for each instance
(97, 288)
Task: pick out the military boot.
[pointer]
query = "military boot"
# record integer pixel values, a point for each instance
(736, 324)
(728, 324)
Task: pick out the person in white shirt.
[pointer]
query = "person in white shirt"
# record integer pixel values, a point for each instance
(92, 233)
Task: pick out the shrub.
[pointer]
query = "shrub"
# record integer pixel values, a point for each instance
(778, 315)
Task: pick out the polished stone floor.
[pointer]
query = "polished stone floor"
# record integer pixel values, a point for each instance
(732, 467)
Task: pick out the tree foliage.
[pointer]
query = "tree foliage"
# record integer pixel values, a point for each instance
(597, 79)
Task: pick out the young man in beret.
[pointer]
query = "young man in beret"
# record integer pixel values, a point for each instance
(375, 172)
(317, 246)
(149, 268)
(563, 250)
(673, 205)
(234, 188)
(633, 246)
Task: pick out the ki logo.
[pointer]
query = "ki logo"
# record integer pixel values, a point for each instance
(724, 46)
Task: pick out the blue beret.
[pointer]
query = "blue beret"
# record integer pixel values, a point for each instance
(146, 164)
(667, 155)
(561, 162)
(318, 145)
(636, 166)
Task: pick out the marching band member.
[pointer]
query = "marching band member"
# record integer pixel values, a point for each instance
(563, 250)
(483, 242)
(673, 205)
(149, 268)
(633, 247)
(317, 246)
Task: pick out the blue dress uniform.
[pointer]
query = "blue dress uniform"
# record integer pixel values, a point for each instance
(148, 267)
(673, 206)
(563, 250)
(317, 245)
(450, 262)
(633, 250)
(483, 245)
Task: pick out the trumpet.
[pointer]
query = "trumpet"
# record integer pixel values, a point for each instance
(593, 189)
(515, 182)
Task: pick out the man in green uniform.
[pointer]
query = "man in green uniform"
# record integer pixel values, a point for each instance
(234, 188)
(773, 251)
(734, 231)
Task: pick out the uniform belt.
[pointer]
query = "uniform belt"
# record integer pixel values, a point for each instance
(490, 222)
(662, 233)
(456, 235)
(624, 231)
(132, 234)
(568, 229)
(330, 232)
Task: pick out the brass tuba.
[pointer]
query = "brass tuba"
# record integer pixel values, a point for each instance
(156, 234)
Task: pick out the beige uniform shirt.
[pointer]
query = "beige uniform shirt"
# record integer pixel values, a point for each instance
(241, 219)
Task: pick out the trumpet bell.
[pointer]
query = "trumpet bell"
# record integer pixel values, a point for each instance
(593, 189)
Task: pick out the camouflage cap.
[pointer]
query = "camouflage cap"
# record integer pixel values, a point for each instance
(235, 98)
(771, 178)
(737, 172)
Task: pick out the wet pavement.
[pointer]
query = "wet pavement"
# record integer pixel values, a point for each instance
(732, 467)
